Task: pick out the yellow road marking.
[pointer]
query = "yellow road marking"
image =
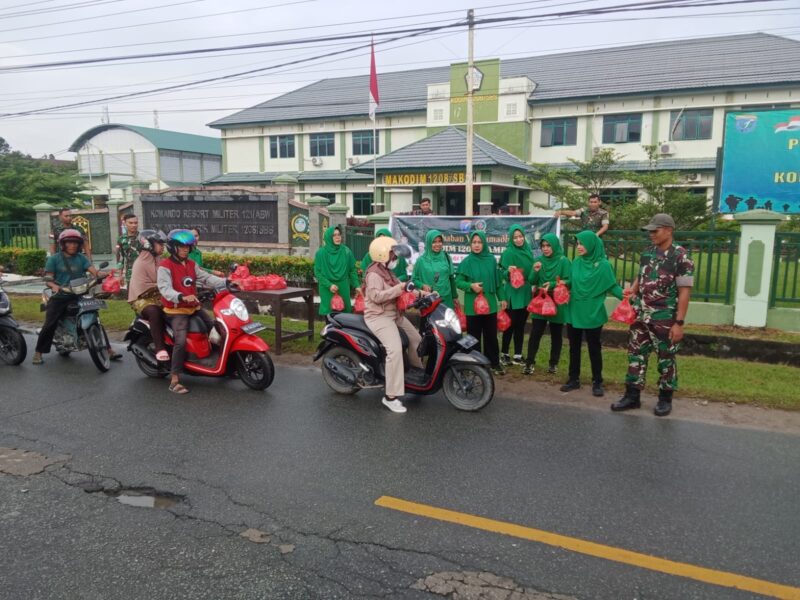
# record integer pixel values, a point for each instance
(670, 567)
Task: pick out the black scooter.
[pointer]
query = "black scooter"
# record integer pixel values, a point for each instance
(13, 348)
(353, 358)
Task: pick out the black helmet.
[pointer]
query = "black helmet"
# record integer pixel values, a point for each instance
(148, 238)
(177, 238)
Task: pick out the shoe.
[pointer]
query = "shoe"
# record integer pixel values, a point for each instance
(505, 360)
(498, 371)
(112, 355)
(528, 370)
(517, 360)
(630, 400)
(37, 359)
(551, 369)
(572, 384)
(394, 405)
(597, 389)
(664, 404)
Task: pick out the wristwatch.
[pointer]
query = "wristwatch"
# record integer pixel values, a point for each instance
(679, 322)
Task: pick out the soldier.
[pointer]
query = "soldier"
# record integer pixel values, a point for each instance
(65, 222)
(594, 218)
(128, 248)
(661, 295)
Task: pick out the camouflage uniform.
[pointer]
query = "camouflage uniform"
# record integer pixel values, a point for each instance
(592, 221)
(128, 249)
(660, 275)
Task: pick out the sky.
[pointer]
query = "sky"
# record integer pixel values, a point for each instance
(38, 32)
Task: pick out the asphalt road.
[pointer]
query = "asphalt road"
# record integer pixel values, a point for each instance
(304, 467)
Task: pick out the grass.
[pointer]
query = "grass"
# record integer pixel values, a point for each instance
(712, 379)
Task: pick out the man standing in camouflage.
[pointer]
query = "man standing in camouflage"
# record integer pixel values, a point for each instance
(594, 218)
(661, 295)
(128, 248)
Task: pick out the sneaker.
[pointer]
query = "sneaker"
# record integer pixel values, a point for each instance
(517, 360)
(394, 405)
(551, 369)
(571, 385)
(505, 360)
(597, 389)
(499, 371)
(528, 370)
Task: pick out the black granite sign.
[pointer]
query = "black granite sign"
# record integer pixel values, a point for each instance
(252, 218)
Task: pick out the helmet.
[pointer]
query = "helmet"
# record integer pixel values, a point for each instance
(70, 235)
(179, 237)
(381, 248)
(149, 237)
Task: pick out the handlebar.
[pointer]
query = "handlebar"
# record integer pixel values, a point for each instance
(425, 301)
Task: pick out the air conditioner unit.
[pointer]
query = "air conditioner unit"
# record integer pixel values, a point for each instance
(316, 161)
(666, 148)
(693, 177)
(353, 161)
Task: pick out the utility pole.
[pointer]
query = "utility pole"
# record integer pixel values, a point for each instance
(155, 119)
(470, 86)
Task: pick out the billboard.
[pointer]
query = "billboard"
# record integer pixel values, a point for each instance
(761, 161)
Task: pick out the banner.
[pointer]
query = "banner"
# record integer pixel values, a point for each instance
(456, 231)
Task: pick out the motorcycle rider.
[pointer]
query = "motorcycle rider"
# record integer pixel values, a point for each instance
(177, 279)
(61, 268)
(143, 294)
(381, 315)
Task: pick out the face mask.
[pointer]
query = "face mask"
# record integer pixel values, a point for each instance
(392, 264)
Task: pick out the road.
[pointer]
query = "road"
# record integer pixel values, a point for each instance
(302, 469)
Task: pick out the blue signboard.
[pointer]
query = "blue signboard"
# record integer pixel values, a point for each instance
(761, 162)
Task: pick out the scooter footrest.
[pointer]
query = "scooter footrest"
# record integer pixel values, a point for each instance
(416, 376)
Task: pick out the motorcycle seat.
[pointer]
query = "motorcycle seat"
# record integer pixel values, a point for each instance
(357, 322)
(196, 324)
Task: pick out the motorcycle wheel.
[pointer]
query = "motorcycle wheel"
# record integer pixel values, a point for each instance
(468, 387)
(347, 358)
(96, 340)
(255, 369)
(13, 348)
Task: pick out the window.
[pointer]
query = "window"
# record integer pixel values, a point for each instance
(511, 110)
(618, 196)
(281, 146)
(438, 114)
(690, 124)
(559, 132)
(322, 144)
(362, 204)
(620, 129)
(363, 142)
(331, 197)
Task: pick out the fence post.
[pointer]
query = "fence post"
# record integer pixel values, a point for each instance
(754, 273)
(338, 214)
(286, 185)
(315, 204)
(43, 226)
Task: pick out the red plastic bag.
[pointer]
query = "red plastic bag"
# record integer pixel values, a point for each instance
(248, 284)
(337, 303)
(549, 308)
(624, 313)
(359, 305)
(535, 305)
(241, 272)
(111, 283)
(561, 293)
(273, 282)
(481, 305)
(503, 321)
(462, 317)
(516, 277)
(405, 300)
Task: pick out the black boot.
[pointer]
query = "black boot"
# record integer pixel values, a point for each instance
(631, 399)
(664, 405)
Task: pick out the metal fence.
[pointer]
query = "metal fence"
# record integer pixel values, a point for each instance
(18, 234)
(358, 239)
(785, 280)
(714, 253)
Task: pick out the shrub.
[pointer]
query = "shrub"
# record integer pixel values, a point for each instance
(23, 261)
(298, 269)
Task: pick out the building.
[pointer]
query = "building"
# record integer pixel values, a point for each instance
(113, 159)
(543, 109)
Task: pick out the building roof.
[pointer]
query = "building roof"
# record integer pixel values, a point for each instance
(251, 177)
(697, 64)
(445, 150)
(160, 138)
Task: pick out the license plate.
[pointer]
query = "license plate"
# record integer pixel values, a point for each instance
(468, 341)
(91, 304)
(253, 327)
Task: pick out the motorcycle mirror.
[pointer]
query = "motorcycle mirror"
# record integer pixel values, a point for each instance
(103, 264)
(233, 267)
(401, 250)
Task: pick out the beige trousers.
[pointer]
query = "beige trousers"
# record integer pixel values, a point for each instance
(387, 330)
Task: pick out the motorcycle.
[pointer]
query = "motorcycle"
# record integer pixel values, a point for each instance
(80, 327)
(238, 352)
(13, 348)
(354, 359)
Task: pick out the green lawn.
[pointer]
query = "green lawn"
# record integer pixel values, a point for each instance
(709, 378)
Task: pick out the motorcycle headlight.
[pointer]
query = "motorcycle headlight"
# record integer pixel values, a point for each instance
(240, 310)
(450, 321)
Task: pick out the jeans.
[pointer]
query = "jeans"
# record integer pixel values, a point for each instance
(180, 328)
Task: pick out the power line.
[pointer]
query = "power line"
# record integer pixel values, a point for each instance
(73, 6)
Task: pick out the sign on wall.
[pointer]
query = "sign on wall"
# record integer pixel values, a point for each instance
(761, 161)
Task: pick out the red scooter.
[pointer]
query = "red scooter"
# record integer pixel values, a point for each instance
(238, 352)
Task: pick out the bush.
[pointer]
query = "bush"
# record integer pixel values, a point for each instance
(23, 261)
(297, 269)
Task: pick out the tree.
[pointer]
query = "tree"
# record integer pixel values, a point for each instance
(5, 148)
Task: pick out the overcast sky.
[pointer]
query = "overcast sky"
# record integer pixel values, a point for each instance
(43, 31)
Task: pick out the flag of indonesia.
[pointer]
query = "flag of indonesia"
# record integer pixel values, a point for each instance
(374, 99)
(792, 125)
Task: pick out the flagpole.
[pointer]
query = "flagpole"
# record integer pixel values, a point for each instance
(374, 100)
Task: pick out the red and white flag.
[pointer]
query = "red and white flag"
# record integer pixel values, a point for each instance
(374, 99)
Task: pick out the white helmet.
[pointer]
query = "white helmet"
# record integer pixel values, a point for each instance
(381, 248)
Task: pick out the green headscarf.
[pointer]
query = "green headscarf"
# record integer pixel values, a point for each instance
(401, 270)
(437, 261)
(551, 265)
(480, 267)
(334, 260)
(513, 255)
(592, 274)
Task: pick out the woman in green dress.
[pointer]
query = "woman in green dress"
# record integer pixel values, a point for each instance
(517, 255)
(550, 266)
(335, 270)
(479, 273)
(400, 271)
(591, 279)
(433, 271)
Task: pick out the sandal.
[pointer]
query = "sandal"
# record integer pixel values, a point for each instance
(37, 360)
(162, 356)
(177, 388)
(114, 356)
